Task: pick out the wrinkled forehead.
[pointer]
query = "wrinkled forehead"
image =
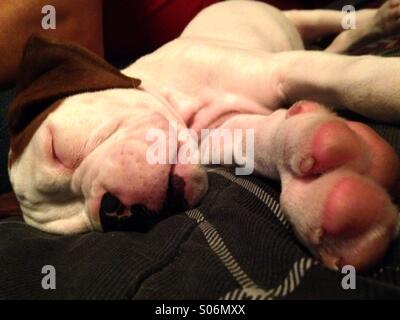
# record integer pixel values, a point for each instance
(106, 104)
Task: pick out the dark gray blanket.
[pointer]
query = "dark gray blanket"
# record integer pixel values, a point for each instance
(236, 245)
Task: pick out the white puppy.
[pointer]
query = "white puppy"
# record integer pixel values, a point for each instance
(78, 149)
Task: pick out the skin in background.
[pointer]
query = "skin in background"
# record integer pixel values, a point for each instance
(79, 21)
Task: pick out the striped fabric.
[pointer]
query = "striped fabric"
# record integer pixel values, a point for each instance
(235, 245)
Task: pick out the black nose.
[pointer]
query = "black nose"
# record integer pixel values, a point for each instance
(110, 204)
(114, 216)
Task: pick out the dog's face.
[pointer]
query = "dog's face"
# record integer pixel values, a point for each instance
(78, 158)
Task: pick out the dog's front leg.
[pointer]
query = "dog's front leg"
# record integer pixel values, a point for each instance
(246, 141)
(335, 179)
(364, 84)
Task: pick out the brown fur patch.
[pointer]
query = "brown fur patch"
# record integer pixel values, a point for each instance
(51, 70)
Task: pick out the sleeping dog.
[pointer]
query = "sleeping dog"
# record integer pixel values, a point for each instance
(78, 162)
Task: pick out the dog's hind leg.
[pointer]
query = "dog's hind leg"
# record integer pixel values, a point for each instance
(370, 24)
(312, 24)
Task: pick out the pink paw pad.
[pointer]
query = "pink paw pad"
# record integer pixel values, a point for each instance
(384, 166)
(358, 224)
(335, 145)
(352, 207)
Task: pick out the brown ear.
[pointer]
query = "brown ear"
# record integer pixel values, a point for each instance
(52, 69)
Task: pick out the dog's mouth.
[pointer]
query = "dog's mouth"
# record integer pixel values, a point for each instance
(114, 216)
(175, 199)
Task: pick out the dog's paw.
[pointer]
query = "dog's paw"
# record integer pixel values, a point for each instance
(335, 181)
(387, 18)
(309, 144)
(341, 216)
(313, 141)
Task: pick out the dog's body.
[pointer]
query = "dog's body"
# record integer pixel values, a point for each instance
(236, 65)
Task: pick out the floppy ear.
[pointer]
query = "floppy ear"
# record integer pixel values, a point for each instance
(52, 69)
